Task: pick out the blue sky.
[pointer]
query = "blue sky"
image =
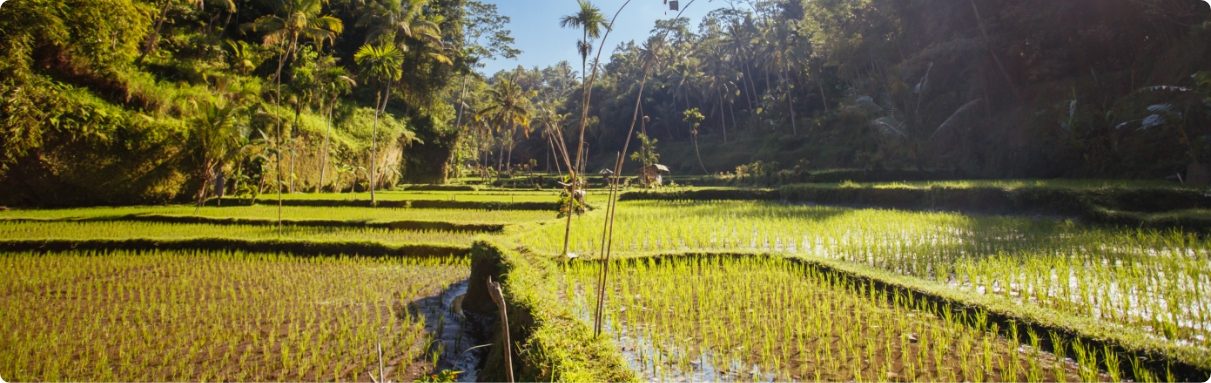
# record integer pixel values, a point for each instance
(535, 26)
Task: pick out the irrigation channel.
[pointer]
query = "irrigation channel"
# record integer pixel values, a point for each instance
(458, 338)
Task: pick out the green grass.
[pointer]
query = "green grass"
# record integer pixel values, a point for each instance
(1142, 289)
(423, 195)
(194, 316)
(551, 343)
(1151, 283)
(162, 231)
(1076, 184)
(295, 212)
(763, 318)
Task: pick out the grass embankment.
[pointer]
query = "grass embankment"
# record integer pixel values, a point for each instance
(296, 247)
(88, 230)
(1139, 356)
(766, 318)
(223, 315)
(415, 204)
(549, 342)
(1144, 286)
(265, 212)
(480, 195)
(420, 226)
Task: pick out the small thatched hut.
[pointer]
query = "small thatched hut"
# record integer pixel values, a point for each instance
(653, 175)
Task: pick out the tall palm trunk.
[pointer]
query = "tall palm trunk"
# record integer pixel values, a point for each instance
(277, 160)
(293, 147)
(378, 109)
(722, 115)
(699, 154)
(324, 151)
(790, 94)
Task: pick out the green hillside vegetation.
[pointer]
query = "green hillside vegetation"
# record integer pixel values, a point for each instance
(123, 101)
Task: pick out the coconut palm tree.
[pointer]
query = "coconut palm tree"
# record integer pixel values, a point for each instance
(293, 22)
(590, 21)
(509, 107)
(404, 22)
(382, 65)
(694, 117)
(215, 136)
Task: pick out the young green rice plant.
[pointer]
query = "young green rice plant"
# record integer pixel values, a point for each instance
(127, 230)
(1141, 373)
(196, 315)
(1147, 282)
(357, 214)
(777, 318)
(1111, 362)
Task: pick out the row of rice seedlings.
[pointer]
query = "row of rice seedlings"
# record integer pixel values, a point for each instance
(197, 316)
(1075, 184)
(471, 196)
(764, 318)
(1151, 281)
(125, 230)
(294, 212)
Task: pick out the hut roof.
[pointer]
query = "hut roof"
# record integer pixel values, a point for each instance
(660, 167)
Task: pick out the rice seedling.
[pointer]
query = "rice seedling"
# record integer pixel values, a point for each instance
(489, 195)
(1149, 282)
(763, 318)
(292, 212)
(125, 230)
(187, 316)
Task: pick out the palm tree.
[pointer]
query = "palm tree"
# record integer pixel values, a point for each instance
(215, 136)
(383, 65)
(508, 106)
(294, 21)
(331, 81)
(590, 21)
(694, 118)
(390, 19)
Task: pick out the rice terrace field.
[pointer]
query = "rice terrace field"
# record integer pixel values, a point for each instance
(714, 289)
(388, 191)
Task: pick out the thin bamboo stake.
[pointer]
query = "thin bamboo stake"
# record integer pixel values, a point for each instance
(498, 298)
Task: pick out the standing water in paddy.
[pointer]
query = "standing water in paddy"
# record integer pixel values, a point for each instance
(874, 190)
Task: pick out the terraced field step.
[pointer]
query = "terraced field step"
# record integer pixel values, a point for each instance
(1158, 208)
(302, 248)
(415, 204)
(169, 218)
(1184, 363)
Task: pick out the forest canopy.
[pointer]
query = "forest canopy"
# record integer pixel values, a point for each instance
(123, 101)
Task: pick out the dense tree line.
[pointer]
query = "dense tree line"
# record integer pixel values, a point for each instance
(975, 88)
(118, 101)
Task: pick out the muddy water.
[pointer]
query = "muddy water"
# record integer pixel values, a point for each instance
(454, 336)
(654, 364)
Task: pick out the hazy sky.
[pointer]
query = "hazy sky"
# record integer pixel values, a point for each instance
(535, 26)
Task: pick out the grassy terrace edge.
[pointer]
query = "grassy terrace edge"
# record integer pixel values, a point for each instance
(1184, 363)
(303, 248)
(416, 204)
(170, 218)
(1142, 207)
(549, 342)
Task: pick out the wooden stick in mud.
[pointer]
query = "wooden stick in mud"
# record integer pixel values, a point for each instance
(498, 297)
